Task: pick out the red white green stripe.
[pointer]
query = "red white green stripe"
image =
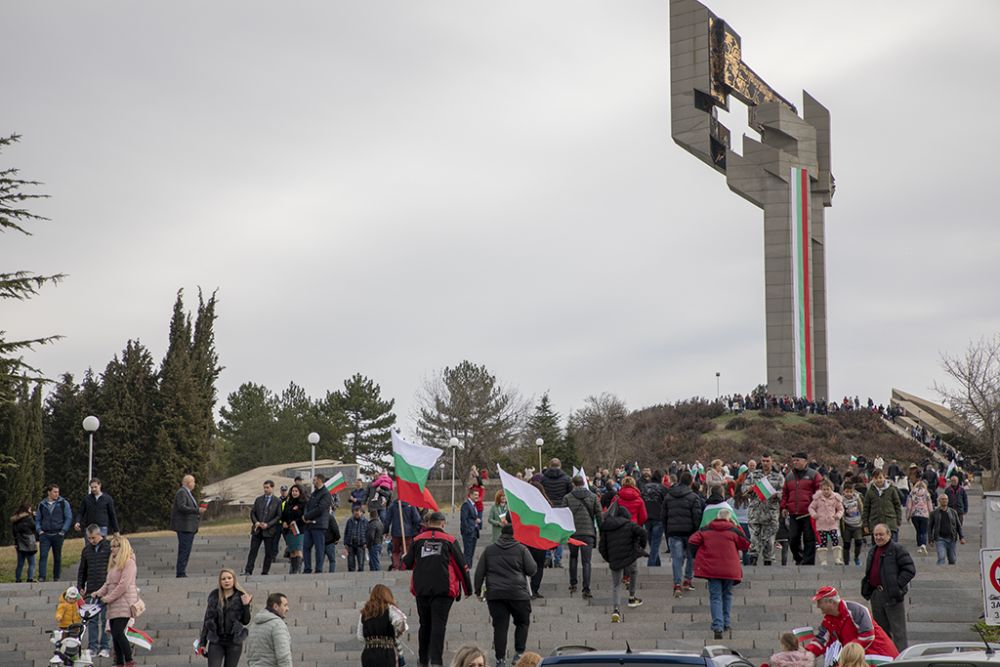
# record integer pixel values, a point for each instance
(877, 659)
(536, 523)
(801, 295)
(336, 484)
(804, 634)
(294, 529)
(139, 638)
(764, 489)
(413, 463)
(711, 513)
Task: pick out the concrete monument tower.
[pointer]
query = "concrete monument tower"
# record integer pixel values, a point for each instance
(786, 173)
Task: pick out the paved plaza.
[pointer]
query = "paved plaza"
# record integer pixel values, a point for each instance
(942, 603)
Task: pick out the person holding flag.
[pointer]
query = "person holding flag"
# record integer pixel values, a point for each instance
(849, 623)
(717, 548)
(762, 486)
(316, 518)
(291, 522)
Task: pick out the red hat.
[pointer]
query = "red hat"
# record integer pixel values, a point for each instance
(826, 592)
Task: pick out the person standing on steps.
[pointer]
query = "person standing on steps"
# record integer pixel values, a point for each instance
(958, 499)
(800, 486)
(264, 518)
(826, 510)
(882, 505)
(918, 510)
(90, 576)
(498, 515)
(653, 493)
(375, 540)
(439, 578)
(316, 518)
(403, 526)
(380, 624)
(717, 549)
(118, 594)
(682, 510)
(22, 526)
(292, 527)
(851, 528)
(621, 543)
(586, 510)
(469, 524)
(504, 567)
(557, 484)
(888, 572)
(268, 643)
(98, 508)
(356, 540)
(763, 515)
(53, 519)
(945, 531)
(185, 515)
(224, 627)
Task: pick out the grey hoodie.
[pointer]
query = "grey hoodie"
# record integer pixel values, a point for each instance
(268, 644)
(585, 510)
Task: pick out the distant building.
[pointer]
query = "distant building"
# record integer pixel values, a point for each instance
(241, 489)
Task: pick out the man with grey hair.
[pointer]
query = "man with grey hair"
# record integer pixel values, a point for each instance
(185, 515)
(90, 576)
(888, 572)
(846, 621)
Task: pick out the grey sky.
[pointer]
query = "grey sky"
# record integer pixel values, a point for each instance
(390, 187)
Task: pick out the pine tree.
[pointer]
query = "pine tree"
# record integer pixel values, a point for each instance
(249, 426)
(545, 423)
(21, 440)
(66, 448)
(369, 421)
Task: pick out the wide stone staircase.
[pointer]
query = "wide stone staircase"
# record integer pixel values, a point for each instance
(943, 602)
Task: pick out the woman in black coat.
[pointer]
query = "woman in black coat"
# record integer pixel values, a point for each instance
(226, 617)
(22, 526)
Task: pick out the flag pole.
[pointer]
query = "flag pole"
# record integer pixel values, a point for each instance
(402, 524)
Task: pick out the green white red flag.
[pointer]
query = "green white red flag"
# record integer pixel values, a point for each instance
(413, 464)
(294, 529)
(336, 484)
(711, 513)
(804, 634)
(139, 638)
(536, 523)
(877, 659)
(951, 468)
(764, 489)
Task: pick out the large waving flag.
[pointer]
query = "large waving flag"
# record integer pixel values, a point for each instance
(711, 513)
(536, 524)
(413, 463)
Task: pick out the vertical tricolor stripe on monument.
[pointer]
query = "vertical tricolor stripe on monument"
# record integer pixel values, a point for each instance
(801, 294)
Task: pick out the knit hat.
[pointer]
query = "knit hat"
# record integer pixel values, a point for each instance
(825, 592)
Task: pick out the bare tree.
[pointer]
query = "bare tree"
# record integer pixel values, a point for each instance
(975, 398)
(599, 429)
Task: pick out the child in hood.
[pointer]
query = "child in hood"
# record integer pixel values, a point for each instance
(826, 510)
(790, 654)
(68, 611)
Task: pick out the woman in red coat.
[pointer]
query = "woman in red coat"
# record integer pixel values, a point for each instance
(630, 498)
(717, 549)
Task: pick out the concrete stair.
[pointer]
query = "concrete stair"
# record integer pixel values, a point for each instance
(943, 602)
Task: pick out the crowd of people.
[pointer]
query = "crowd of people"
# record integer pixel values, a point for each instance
(712, 520)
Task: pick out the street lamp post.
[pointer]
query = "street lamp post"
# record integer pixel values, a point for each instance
(313, 441)
(718, 394)
(453, 443)
(91, 424)
(539, 443)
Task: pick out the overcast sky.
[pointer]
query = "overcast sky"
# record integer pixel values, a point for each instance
(389, 187)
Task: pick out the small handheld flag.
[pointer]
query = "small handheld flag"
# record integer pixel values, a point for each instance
(803, 634)
(294, 529)
(764, 489)
(336, 484)
(139, 638)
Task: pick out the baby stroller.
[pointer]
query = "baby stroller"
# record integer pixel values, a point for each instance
(69, 643)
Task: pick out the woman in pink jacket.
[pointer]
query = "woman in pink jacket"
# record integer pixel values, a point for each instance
(826, 510)
(119, 593)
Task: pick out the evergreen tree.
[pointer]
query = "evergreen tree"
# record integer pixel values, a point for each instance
(467, 402)
(249, 426)
(66, 445)
(22, 446)
(545, 423)
(369, 421)
(18, 284)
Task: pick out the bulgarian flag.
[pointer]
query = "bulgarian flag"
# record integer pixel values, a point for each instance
(764, 489)
(877, 659)
(711, 513)
(804, 635)
(536, 524)
(293, 528)
(413, 463)
(951, 468)
(336, 483)
(139, 638)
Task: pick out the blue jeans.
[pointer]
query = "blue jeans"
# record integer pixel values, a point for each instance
(946, 548)
(469, 549)
(557, 555)
(23, 558)
(720, 598)
(55, 541)
(184, 543)
(356, 558)
(331, 555)
(654, 533)
(374, 557)
(678, 554)
(97, 634)
(315, 541)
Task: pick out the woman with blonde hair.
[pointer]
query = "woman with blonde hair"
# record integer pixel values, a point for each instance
(379, 625)
(469, 656)
(529, 659)
(852, 655)
(225, 625)
(498, 514)
(714, 475)
(119, 593)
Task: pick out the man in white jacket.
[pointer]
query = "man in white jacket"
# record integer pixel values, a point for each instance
(268, 644)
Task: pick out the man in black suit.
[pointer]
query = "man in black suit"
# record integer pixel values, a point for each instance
(184, 518)
(316, 517)
(264, 524)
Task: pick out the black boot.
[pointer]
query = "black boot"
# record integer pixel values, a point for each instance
(295, 565)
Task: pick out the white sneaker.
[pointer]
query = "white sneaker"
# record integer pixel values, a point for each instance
(105, 653)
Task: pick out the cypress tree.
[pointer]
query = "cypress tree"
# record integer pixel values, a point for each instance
(66, 447)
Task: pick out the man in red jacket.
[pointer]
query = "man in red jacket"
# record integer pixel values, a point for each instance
(848, 622)
(801, 484)
(440, 575)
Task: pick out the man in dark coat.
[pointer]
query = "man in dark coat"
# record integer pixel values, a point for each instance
(888, 572)
(586, 510)
(469, 525)
(403, 527)
(621, 544)
(653, 494)
(90, 576)
(505, 567)
(53, 519)
(958, 500)
(98, 508)
(682, 509)
(316, 516)
(556, 484)
(264, 518)
(801, 484)
(184, 518)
